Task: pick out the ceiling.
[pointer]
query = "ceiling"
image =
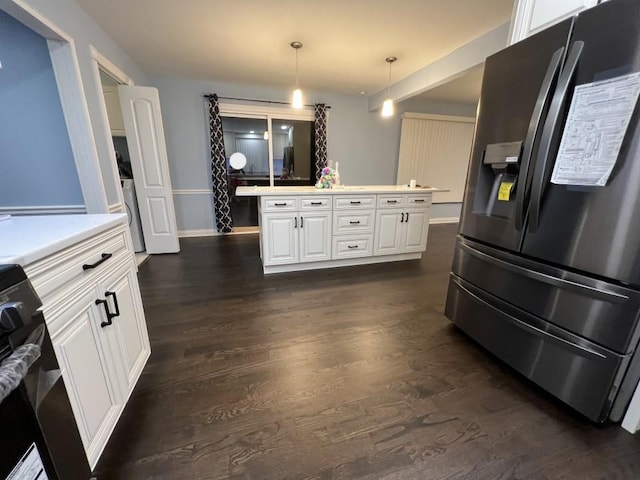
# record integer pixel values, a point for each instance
(247, 41)
(465, 89)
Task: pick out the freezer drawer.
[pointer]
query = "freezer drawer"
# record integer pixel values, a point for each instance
(604, 313)
(578, 372)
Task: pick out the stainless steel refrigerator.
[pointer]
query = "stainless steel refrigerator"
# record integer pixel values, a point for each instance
(546, 276)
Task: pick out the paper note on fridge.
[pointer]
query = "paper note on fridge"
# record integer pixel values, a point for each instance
(598, 118)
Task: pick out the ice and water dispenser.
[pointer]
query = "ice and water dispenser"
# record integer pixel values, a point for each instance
(498, 179)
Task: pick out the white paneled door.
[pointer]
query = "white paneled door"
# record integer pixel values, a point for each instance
(281, 233)
(315, 236)
(145, 137)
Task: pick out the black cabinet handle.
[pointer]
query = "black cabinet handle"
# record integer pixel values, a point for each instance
(115, 302)
(407, 219)
(107, 313)
(316, 203)
(301, 222)
(392, 201)
(295, 222)
(357, 222)
(418, 200)
(352, 246)
(103, 258)
(402, 219)
(355, 202)
(280, 204)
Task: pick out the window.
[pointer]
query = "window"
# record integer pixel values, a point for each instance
(279, 146)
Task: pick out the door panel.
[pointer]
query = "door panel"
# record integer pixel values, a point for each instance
(514, 97)
(280, 237)
(132, 339)
(315, 237)
(578, 372)
(388, 232)
(601, 312)
(145, 137)
(80, 351)
(417, 228)
(597, 229)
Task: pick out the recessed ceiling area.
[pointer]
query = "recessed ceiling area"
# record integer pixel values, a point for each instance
(247, 42)
(464, 89)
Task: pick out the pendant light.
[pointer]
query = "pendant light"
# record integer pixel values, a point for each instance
(387, 105)
(296, 99)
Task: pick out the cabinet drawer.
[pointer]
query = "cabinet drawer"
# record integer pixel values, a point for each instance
(418, 201)
(80, 262)
(391, 201)
(352, 246)
(315, 203)
(353, 222)
(275, 204)
(344, 202)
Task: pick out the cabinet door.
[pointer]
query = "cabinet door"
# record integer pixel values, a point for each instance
(132, 342)
(533, 16)
(280, 238)
(315, 236)
(389, 232)
(416, 227)
(88, 378)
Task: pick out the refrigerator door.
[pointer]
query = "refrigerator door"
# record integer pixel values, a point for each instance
(516, 90)
(601, 312)
(595, 230)
(578, 372)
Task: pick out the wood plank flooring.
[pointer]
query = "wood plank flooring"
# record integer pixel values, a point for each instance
(349, 373)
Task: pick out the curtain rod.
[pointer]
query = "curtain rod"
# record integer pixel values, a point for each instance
(207, 95)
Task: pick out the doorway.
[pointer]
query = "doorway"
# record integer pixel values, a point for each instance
(123, 161)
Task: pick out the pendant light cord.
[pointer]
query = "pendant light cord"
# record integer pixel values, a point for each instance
(389, 81)
(297, 49)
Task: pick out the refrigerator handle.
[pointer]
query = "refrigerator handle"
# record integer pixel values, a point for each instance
(550, 125)
(532, 133)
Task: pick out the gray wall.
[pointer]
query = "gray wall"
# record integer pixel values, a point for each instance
(85, 31)
(365, 144)
(36, 162)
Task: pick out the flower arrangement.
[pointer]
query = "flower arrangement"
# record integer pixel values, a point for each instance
(327, 178)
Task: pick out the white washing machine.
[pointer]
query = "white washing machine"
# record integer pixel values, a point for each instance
(131, 202)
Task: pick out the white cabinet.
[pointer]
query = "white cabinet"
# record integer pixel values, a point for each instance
(401, 231)
(388, 236)
(532, 16)
(92, 306)
(122, 293)
(296, 237)
(90, 378)
(304, 232)
(416, 226)
(280, 238)
(315, 236)
(114, 113)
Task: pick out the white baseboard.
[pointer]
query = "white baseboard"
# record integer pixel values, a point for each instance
(44, 210)
(344, 262)
(433, 221)
(204, 232)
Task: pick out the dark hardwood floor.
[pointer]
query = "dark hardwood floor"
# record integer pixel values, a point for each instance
(349, 373)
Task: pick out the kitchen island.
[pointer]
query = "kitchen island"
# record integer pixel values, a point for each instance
(304, 228)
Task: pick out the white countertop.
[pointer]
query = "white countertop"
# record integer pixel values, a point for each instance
(343, 190)
(24, 240)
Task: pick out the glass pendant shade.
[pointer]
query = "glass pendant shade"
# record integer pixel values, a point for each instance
(296, 101)
(387, 108)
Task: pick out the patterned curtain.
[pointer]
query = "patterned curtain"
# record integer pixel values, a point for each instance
(321, 137)
(224, 222)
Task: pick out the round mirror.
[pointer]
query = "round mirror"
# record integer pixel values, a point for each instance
(237, 161)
